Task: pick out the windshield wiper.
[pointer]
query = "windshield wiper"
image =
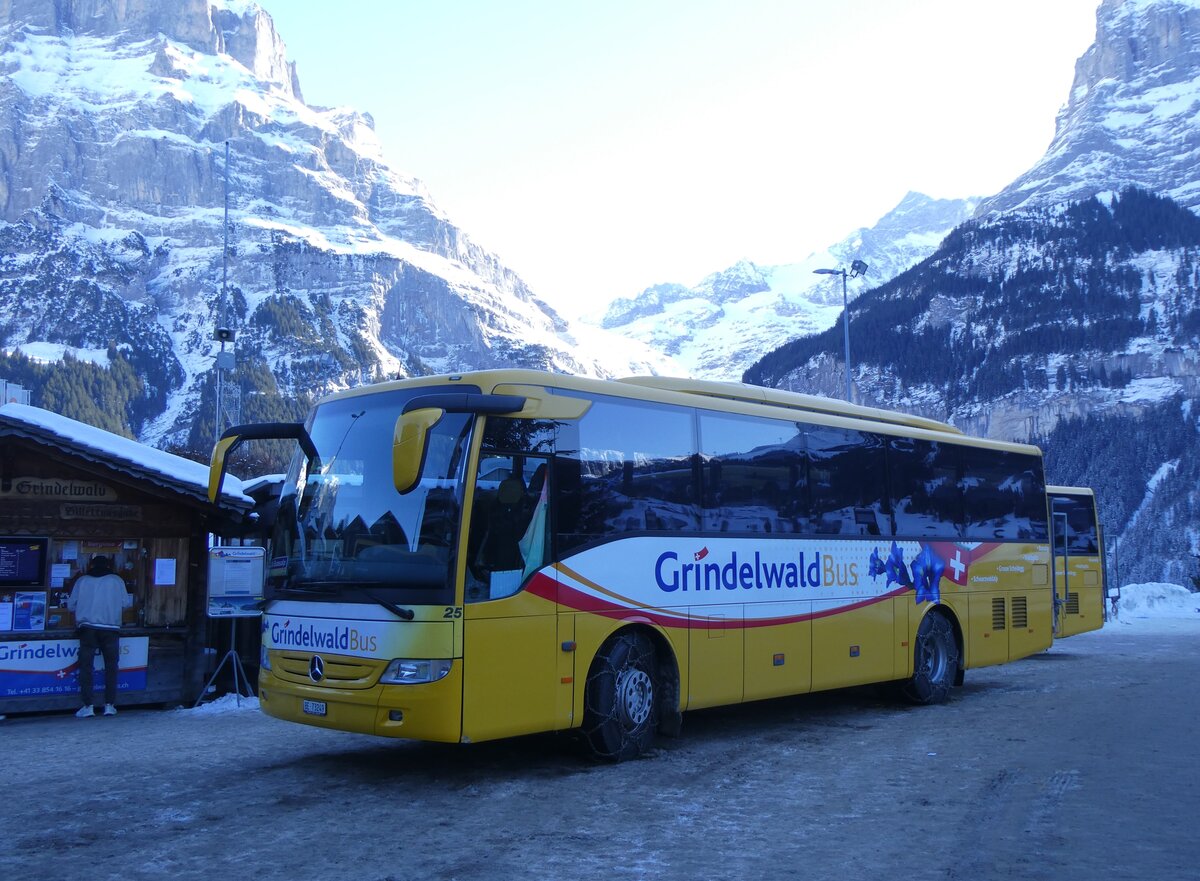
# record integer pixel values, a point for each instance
(398, 611)
(406, 614)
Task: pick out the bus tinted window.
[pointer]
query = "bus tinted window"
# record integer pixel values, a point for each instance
(1080, 524)
(925, 494)
(631, 469)
(1004, 496)
(519, 435)
(847, 479)
(754, 474)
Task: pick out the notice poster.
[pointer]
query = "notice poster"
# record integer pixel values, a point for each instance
(29, 610)
(164, 572)
(51, 666)
(6, 612)
(235, 581)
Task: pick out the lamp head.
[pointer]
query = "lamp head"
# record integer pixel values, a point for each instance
(858, 268)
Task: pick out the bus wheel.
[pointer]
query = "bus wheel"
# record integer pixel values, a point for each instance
(935, 661)
(620, 700)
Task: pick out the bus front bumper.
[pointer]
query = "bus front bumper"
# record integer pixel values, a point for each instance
(428, 711)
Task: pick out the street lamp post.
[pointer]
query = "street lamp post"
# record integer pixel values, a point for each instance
(857, 268)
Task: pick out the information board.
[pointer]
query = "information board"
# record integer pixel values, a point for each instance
(235, 582)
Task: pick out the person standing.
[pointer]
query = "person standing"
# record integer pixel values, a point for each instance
(97, 601)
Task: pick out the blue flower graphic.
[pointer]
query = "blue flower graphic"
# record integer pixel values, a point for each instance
(875, 565)
(927, 571)
(897, 572)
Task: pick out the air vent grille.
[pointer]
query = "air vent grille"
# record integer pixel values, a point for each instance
(1020, 615)
(1072, 604)
(998, 618)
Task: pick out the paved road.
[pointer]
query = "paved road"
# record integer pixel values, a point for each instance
(1077, 764)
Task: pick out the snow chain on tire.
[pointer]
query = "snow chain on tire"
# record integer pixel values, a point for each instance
(620, 711)
(935, 661)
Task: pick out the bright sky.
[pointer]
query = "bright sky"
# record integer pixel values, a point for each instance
(600, 148)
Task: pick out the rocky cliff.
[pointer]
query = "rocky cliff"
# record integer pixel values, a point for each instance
(1131, 116)
(340, 269)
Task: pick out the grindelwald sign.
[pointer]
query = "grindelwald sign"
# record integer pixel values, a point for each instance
(57, 489)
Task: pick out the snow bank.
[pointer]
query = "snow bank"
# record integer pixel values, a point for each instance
(226, 703)
(1157, 607)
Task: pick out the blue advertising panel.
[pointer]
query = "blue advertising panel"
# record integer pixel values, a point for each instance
(31, 668)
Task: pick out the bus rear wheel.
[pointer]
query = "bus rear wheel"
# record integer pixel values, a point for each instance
(621, 699)
(935, 661)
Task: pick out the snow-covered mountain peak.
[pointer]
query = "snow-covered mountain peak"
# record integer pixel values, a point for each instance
(720, 326)
(1131, 116)
(237, 28)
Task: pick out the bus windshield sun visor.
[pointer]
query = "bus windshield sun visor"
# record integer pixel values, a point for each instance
(465, 402)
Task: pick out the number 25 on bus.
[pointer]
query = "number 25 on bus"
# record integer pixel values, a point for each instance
(467, 557)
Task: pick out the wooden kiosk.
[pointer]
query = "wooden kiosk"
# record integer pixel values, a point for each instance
(69, 491)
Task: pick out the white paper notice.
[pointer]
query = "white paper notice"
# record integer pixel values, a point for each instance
(239, 577)
(164, 572)
(70, 550)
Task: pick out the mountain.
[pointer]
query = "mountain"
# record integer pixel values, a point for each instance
(1130, 118)
(1067, 311)
(719, 327)
(341, 270)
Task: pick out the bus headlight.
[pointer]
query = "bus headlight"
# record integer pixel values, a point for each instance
(407, 672)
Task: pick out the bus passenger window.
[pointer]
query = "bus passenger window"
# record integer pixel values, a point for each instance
(847, 478)
(1004, 496)
(627, 467)
(926, 497)
(753, 468)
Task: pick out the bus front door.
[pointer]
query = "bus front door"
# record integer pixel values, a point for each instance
(1061, 569)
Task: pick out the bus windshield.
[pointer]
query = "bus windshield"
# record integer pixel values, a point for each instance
(343, 533)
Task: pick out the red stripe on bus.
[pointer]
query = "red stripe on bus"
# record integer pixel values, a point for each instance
(576, 600)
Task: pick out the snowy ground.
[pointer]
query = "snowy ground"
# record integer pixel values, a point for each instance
(1067, 765)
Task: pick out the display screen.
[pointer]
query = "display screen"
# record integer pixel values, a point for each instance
(22, 560)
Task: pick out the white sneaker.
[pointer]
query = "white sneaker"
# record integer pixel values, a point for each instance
(110, 710)
(84, 712)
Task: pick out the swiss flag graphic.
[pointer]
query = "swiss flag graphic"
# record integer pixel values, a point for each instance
(960, 556)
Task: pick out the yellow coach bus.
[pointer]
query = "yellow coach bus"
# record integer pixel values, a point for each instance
(466, 557)
(1078, 570)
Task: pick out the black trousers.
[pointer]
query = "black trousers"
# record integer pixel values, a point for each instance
(108, 643)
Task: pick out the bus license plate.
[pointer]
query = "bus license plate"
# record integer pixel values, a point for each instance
(314, 708)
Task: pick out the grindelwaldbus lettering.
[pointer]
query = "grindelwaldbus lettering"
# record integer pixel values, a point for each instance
(756, 574)
(344, 638)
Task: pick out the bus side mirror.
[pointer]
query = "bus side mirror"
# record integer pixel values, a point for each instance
(409, 444)
(254, 431)
(216, 467)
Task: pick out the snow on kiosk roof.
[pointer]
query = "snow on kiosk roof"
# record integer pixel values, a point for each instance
(166, 469)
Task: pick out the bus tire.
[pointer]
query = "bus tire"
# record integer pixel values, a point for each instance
(620, 712)
(936, 661)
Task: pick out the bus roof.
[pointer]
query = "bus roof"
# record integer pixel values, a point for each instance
(755, 394)
(734, 397)
(1069, 490)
